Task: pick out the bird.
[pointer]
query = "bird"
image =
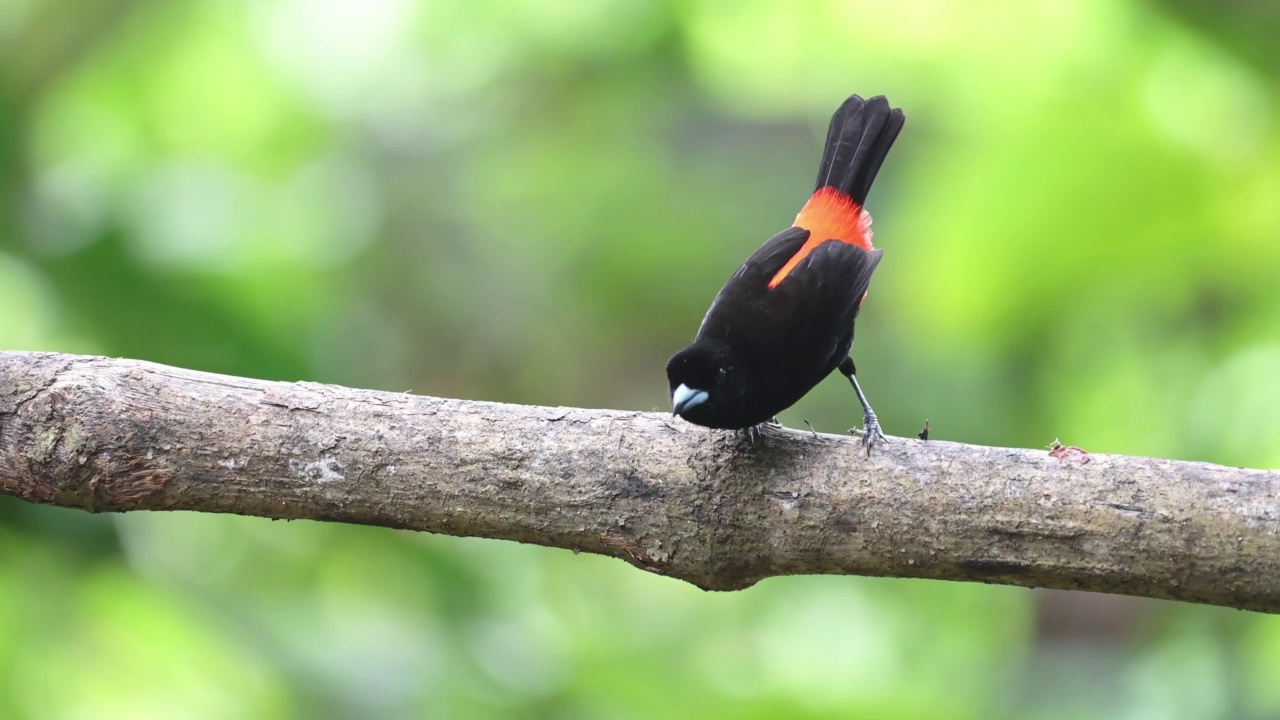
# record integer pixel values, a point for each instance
(785, 319)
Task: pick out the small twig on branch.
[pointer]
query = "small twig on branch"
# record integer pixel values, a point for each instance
(665, 496)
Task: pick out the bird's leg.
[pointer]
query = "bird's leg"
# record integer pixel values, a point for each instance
(870, 424)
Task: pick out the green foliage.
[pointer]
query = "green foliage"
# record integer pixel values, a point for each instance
(534, 202)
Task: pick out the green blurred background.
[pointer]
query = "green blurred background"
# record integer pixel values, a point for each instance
(534, 202)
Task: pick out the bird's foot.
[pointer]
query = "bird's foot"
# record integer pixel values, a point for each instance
(870, 432)
(755, 432)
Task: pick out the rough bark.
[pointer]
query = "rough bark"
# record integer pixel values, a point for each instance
(665, 496)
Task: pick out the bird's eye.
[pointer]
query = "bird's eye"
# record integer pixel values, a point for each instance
(721, 372)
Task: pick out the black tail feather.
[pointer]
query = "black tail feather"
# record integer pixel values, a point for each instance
(861, 133)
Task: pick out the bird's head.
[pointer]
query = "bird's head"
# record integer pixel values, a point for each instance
(704, 384)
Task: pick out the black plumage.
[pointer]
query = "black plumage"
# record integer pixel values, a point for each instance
(781, 324)
(858, 141)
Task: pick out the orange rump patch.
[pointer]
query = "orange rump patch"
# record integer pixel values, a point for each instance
(829, 215)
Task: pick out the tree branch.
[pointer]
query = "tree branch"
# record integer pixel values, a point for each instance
(663, 495)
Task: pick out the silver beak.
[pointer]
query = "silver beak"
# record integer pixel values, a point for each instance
(684, 398)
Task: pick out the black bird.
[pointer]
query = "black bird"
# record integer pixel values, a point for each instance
(784, 320)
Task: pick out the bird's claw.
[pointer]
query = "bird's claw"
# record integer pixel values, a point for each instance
(755, 432)
(870, 432)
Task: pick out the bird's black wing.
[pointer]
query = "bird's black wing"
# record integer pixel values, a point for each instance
(741, 296)
(816, 304)
(800, 325)
(835, 275)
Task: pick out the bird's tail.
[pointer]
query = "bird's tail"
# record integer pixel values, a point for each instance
(861, 133)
